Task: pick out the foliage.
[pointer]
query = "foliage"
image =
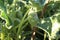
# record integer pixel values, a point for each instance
(20, 19)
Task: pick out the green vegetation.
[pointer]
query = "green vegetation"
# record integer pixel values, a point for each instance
(29, 20)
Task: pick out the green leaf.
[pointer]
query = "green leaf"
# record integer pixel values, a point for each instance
(32, 17)
(6, 18)
(38, 4)
(46, 24)
(1, 2)
(50, 25)
(10, 1)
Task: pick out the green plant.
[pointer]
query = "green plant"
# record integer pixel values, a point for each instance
(29, 20)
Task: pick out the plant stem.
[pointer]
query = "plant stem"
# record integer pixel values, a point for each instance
(44, 35)
(2, 36)
(22, 21)
(33, 33)
(8, 36)
(49, 36)
(44, 8)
